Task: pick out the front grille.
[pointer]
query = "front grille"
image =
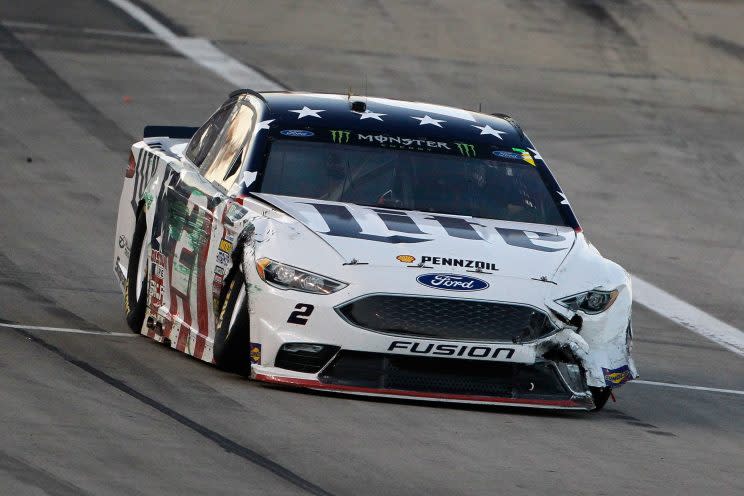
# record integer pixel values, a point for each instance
(444, 375)
(444, 318)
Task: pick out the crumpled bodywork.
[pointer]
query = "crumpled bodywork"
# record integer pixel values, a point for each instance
(602, 343)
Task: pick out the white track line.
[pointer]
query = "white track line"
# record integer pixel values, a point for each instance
(203, 52)
(669, 306)
(684, 386)
(70, 331)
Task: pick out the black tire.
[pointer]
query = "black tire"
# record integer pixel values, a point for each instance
(232, 342)
(135, 307)
(600, 397)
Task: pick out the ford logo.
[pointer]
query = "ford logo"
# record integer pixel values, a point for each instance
(509, 155)
(452, 282)
(297, 133)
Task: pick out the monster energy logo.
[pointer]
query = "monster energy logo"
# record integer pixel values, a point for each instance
(340, 136)
(466, 149)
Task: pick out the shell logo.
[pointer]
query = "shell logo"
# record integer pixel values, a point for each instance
(406, 258)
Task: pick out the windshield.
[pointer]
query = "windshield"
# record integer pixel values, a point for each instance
(401, 179)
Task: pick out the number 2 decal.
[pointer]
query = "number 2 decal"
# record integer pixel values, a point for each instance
(301, 313)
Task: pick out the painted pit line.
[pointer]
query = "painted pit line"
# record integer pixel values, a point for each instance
(68, 330)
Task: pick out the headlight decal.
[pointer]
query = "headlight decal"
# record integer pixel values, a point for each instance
(285, 276)
(590, 302)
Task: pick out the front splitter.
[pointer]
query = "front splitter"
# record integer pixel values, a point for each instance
(315, 384)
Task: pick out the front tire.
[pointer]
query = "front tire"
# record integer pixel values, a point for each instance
(232, 339)
(135, 290)
(600, 397)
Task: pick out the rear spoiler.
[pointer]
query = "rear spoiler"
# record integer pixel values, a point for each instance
(177, 132)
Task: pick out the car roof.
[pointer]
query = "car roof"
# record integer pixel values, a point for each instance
(391, 117)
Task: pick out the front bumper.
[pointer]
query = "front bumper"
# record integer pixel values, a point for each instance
(390, 365)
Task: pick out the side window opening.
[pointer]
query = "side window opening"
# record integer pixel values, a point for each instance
(228, 152)
(204, 138)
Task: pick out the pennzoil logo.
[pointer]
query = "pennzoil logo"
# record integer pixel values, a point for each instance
(466, 149)
(340, 136)
(406, 258)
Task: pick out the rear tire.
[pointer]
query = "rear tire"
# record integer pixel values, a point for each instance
(232, 339)
(135, 289)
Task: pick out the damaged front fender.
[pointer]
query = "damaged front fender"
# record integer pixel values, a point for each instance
(600, 343)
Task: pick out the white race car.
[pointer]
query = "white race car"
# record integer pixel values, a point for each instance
(370, 246)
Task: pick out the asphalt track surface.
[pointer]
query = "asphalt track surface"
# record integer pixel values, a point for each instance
(637, 106)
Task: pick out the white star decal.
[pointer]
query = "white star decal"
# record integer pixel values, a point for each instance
(428, 120)
(370, 115)
(264, 124)
(534, 152)
(248, 178)
(305, 111)
(565, 200)
(489, 130)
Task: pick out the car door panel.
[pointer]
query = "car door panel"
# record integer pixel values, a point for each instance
(195, 233)
(190, 233)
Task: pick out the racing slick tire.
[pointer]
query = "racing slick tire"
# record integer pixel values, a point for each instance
(135, 290)
(600, 397)
(232, 339)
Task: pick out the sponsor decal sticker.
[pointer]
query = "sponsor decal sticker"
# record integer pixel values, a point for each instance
(340, 136)
(297, 133)
(507, 155)
(617, 377)
(525, 156)
(406, 258)
(217, 284)
(223, 258)
(479, 351)
(458, 262)
(452, 282)
(157, 276)
(235, 212)
(226, 245)
(466, 149)
(399, 142)
(224, 250)
(255, 353)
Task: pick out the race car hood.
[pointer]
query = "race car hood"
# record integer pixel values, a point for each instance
(447, 243)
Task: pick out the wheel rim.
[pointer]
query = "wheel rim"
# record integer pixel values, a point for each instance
(141, 269)
(239, 302)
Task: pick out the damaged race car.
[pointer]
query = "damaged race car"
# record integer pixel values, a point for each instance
(370, 246)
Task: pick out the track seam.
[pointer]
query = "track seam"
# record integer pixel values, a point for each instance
(225, 443)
